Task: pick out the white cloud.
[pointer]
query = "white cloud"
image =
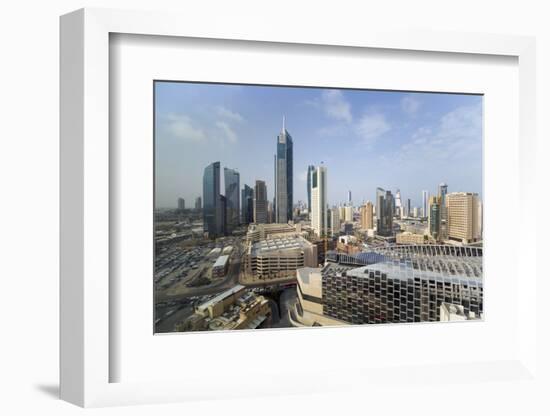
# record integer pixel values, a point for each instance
(410, 104)
(335, 105)
(458, 134)
(230, 134)
(372, 125)
(229, 115)
(181, 127)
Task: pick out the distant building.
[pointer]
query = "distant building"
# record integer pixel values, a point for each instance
(342, 213)
(348, 213)
(335, 223)
(319, 201)
(412, 238)
(181, 203)
(212, 212)
(464, 219)
(367, 220)
(310, 169)
(260, 203)
(443, 234)
(409, 213)
(415, 212)
(425, 205)
(284, 161)
(223, 214)
(348, 228)
(257, 232)
(247, 198)
(349, 198)
(434, 219)
(232, 187)
(385, 209)
(398, 204)
(198, 203)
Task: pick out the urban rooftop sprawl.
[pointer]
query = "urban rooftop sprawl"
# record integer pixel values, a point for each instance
(236, 260)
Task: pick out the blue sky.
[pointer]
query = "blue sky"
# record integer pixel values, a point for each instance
(366, 139)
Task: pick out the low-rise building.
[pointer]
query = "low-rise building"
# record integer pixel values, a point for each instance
(233, 309)
(413, 238)
(219, 269)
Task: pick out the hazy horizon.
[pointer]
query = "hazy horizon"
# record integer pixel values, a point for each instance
(366, 139)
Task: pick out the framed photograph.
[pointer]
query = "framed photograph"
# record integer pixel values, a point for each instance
(314, 240)
(291, 210)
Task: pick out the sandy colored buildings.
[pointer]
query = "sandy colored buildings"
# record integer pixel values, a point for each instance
(412, 238)
(367, 221)
(278, 257)
(232, 309)
(464, 219)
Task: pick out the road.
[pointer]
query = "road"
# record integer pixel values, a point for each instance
(167, 324)
(286, 301)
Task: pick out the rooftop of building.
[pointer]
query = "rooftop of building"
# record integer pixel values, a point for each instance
(221, 261)
(439, 262)
(221, 296)
(280, 244)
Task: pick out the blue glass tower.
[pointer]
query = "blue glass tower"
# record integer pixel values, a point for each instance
(284, 161)
(232, 187)
(212, 206)
(247, 205)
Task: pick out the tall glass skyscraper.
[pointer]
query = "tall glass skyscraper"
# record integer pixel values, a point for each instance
(260, 202)
(247, 205)
(212, 204)
(284, 161)
(385, 208)
(310, 169)
(232, 187)
(442, 193)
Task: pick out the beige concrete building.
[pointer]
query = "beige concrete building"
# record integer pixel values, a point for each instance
(464, 217)
(412, 238)
(232, 309)
(367, 221)
(258, 232)
(335, 223)
(278, 257)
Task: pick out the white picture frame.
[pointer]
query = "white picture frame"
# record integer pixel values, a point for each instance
(86, 355)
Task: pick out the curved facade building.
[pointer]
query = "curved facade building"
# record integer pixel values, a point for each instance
(404, 284)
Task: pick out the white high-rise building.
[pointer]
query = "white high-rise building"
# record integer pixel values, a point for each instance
(348, 212)
(398, 204)
(425, 206)
(319, 201)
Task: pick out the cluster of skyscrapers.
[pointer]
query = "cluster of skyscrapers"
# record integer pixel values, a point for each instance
(455, 216)
(222, 213)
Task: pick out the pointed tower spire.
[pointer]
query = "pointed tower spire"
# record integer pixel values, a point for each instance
(283, 131)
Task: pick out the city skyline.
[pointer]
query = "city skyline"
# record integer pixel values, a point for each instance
(435, 133)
